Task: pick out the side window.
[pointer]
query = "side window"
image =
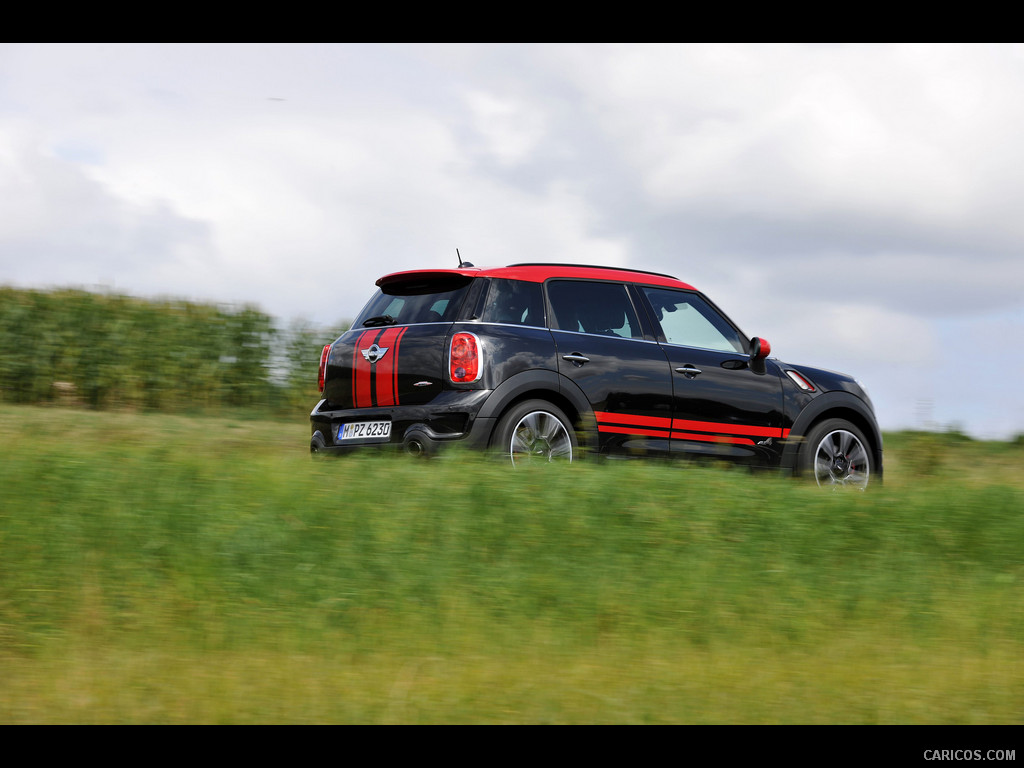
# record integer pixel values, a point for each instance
(590, 307)
(688, 320)
(514, 302)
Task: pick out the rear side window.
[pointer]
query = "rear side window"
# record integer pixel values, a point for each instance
(430, 301)
(514, 302)
(591, 307)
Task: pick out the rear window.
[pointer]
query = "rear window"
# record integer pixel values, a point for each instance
(415, 301)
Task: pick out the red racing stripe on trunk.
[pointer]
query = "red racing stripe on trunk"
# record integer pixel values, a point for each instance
(394, 364)
(362, 383)
(387, 368)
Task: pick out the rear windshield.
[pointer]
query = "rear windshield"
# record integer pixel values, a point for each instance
(423, 301)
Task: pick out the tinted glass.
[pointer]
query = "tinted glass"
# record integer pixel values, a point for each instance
(688, 320)
(407, 303)
(514, 302)
(589, 307)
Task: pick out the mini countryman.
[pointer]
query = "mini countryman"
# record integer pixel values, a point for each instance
(558, 361)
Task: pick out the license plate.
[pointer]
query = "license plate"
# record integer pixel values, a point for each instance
(374, 431)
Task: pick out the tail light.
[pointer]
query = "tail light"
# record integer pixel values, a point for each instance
(324, 354)
(464, 358)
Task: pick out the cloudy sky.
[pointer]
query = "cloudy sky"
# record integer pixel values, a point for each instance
(859, 206)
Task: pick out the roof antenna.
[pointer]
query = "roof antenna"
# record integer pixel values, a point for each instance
(461, 262)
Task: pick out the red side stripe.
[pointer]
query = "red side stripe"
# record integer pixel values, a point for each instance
(728, 429)
(721, 432)
(632, 431)
(711, 438)
(628, 418)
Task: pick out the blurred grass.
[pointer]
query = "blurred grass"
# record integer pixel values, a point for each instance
(158, 568)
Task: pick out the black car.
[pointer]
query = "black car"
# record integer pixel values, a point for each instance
(555, 361)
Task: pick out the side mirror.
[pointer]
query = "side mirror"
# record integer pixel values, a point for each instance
(759, 350)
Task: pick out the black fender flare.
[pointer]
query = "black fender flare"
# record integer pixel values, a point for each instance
(837, 404)
(540, 382)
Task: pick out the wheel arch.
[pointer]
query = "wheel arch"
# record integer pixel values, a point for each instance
(549, 386)
(834, 405)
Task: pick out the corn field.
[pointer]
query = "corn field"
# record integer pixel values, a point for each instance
(107, 351)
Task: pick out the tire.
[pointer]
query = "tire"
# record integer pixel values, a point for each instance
(535, 430)
(837, 455)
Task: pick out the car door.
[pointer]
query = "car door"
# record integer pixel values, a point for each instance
(604, 350)
(720, 404)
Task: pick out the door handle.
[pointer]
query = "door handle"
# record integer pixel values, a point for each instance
(689, 371)
(576, 359)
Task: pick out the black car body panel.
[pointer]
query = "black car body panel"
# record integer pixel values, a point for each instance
(639, 364)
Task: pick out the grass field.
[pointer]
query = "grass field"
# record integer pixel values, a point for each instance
(172, 569)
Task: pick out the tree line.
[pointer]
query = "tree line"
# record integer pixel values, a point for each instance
(105, 350)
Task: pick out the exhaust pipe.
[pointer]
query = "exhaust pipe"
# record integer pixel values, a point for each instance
(417, 442)
(317, 443)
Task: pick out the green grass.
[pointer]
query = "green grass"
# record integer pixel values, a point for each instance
(162, 569)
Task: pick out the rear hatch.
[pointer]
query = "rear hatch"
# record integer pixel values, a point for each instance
(395, 353)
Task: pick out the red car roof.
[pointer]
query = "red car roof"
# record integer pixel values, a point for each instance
(538, 273)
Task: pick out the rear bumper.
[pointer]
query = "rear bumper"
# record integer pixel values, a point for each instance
(450, 419)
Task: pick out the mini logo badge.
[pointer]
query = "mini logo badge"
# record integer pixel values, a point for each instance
(374, 353)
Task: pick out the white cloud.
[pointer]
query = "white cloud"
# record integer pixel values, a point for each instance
(836, 199)
(61, 227)
(509, 130)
